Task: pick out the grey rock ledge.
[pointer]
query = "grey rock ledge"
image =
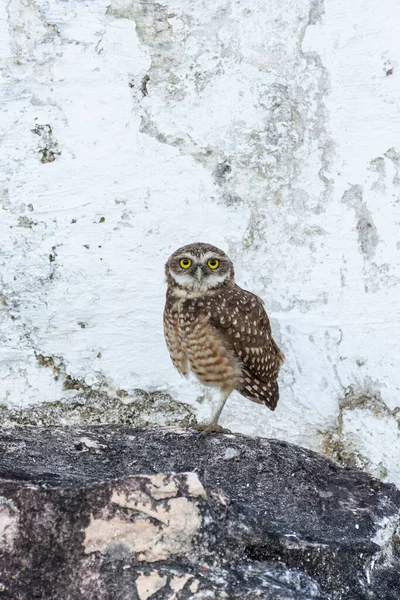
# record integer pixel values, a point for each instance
(116, 513)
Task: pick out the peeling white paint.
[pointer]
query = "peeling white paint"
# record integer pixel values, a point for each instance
(269, 129)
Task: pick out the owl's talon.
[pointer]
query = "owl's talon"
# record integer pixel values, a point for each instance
(205, 429)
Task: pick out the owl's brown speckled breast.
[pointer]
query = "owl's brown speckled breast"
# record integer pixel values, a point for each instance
(210, 358)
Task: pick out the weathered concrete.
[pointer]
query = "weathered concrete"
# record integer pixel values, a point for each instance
(106, 513)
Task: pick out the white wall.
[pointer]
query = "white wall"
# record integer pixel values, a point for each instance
(271, 129)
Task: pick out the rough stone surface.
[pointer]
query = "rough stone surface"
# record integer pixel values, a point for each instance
(270, 128)
(106, 513)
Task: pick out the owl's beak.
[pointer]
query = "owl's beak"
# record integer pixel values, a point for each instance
(199, 273)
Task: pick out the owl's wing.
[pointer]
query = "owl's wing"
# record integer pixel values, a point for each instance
(241, 318)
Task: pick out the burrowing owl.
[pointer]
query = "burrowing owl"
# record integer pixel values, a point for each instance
(217, 330)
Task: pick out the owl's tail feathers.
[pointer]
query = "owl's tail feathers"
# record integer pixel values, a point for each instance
(273, 397)
(260, 392)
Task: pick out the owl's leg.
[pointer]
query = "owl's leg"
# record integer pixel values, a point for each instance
(213, 426)
(224, 397)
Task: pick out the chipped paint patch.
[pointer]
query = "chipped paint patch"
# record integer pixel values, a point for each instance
(358, 446)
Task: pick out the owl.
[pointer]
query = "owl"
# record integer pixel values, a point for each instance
(218, 331)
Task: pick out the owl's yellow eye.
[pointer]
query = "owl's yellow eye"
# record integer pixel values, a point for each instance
(213, 263)
(185, 263)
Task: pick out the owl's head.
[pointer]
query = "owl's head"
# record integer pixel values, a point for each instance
(199, 267)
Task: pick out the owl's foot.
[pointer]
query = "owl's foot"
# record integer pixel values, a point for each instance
(207, 429)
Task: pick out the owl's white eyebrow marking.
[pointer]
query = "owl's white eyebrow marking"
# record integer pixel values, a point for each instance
(187, 255)
(210, 254)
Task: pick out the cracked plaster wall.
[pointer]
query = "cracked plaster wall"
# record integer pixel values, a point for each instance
(129, 128)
